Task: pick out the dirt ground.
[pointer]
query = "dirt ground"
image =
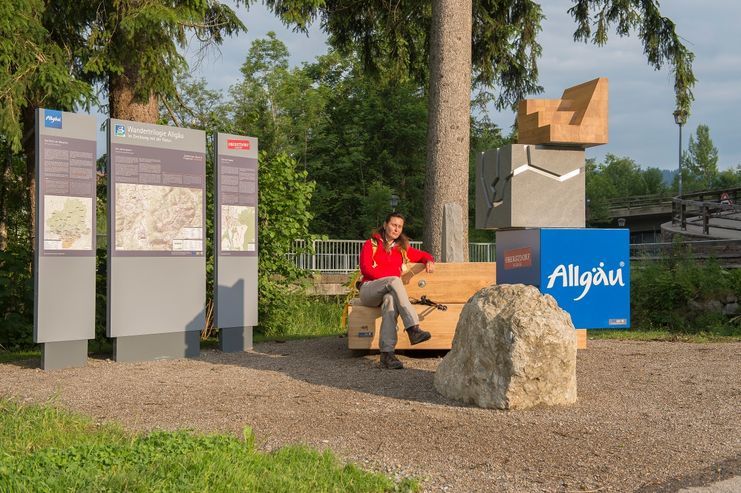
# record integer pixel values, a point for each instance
(651, 416)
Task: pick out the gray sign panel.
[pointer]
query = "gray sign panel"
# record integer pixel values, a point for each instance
(64, 273)
(156, 243)
(236, 231)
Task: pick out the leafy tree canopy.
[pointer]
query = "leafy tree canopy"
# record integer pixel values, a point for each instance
(394, 37)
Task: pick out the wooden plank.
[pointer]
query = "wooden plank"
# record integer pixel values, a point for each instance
(581, 338)
(453, 282)
(364, 327)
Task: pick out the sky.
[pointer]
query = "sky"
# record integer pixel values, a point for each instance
(641, 99)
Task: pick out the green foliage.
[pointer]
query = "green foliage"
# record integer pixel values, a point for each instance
(16, 297)
(49, 450)
(309, 316)
(140, 40)
(700, 162)
(393, 38)
(347, 131)
(617, 177)
(672, 294)
(371, 143)
(283, 219)
(37, 64)
(661, 43)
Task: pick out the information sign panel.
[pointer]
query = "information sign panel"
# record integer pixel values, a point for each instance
(66, 182)
(64, 273)
(236, 265)
(156, 208)
(236, 195)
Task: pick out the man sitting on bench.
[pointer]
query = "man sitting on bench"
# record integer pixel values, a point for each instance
(381, 284)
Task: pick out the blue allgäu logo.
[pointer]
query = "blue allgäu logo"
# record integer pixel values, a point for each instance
(588, 272)
(52, 119)
(119, 130)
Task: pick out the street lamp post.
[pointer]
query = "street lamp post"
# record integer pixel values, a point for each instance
(394, 201)
(680, 118)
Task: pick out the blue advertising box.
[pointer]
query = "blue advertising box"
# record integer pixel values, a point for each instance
(587, 271)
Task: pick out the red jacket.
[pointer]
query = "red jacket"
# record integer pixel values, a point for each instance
(387, 264)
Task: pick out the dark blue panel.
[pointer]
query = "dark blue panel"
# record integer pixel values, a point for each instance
(518, 256)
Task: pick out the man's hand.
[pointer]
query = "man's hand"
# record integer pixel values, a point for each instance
(430, 267)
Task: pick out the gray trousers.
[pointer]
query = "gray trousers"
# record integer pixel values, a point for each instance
(389, 293)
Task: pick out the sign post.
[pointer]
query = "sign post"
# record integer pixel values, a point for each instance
(64, 259)
(235, 245)
(156, 242)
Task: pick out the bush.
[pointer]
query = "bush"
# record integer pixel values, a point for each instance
(16, 297)
(663, 294)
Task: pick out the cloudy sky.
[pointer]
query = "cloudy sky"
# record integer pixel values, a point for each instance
(641, 99)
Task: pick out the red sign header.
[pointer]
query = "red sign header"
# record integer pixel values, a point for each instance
(238, 144)
(518, 258)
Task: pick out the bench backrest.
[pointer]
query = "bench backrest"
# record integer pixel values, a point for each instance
(453, 282)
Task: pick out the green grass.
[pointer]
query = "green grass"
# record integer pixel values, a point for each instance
(46, 449)
(661, 335)
(7, 356)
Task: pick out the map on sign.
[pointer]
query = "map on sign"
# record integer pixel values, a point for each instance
(238, 228)
(68, 223)
(155, 217)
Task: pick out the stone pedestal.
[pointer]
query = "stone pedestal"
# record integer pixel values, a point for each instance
(530, 186)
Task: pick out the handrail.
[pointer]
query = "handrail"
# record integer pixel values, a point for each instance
(687, 210)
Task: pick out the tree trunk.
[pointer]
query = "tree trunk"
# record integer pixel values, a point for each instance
(123, 102)
(448, 126)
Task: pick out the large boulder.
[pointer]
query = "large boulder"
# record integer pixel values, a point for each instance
(514, 348)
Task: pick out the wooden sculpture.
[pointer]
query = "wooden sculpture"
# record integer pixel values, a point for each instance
(579, 118)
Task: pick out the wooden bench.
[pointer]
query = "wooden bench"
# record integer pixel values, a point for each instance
(452, 284)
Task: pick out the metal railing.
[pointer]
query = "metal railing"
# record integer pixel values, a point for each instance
(342, 255)
(699, 208)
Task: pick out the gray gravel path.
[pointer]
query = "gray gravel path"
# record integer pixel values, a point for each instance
(651, 416)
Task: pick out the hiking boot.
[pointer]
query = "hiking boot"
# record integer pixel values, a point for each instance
(417, 335)
(390, 361)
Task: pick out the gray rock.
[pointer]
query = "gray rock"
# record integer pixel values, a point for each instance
(714, 306)
(452, 233)
(514, 348)
(731, 309)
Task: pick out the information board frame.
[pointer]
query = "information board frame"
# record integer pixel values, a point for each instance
(156, 281)
(236, 230)
(64, 236)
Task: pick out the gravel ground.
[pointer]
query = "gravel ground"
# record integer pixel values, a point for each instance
(651, 416)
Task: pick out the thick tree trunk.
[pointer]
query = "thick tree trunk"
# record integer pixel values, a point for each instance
(125, 105)
(448, 127)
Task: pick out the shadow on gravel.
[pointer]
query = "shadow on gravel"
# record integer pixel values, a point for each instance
(720, 471)
(328, 362)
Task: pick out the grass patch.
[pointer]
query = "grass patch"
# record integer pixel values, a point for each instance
(661, 335)
(304, 316)
(46, 449)
(7, 356)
